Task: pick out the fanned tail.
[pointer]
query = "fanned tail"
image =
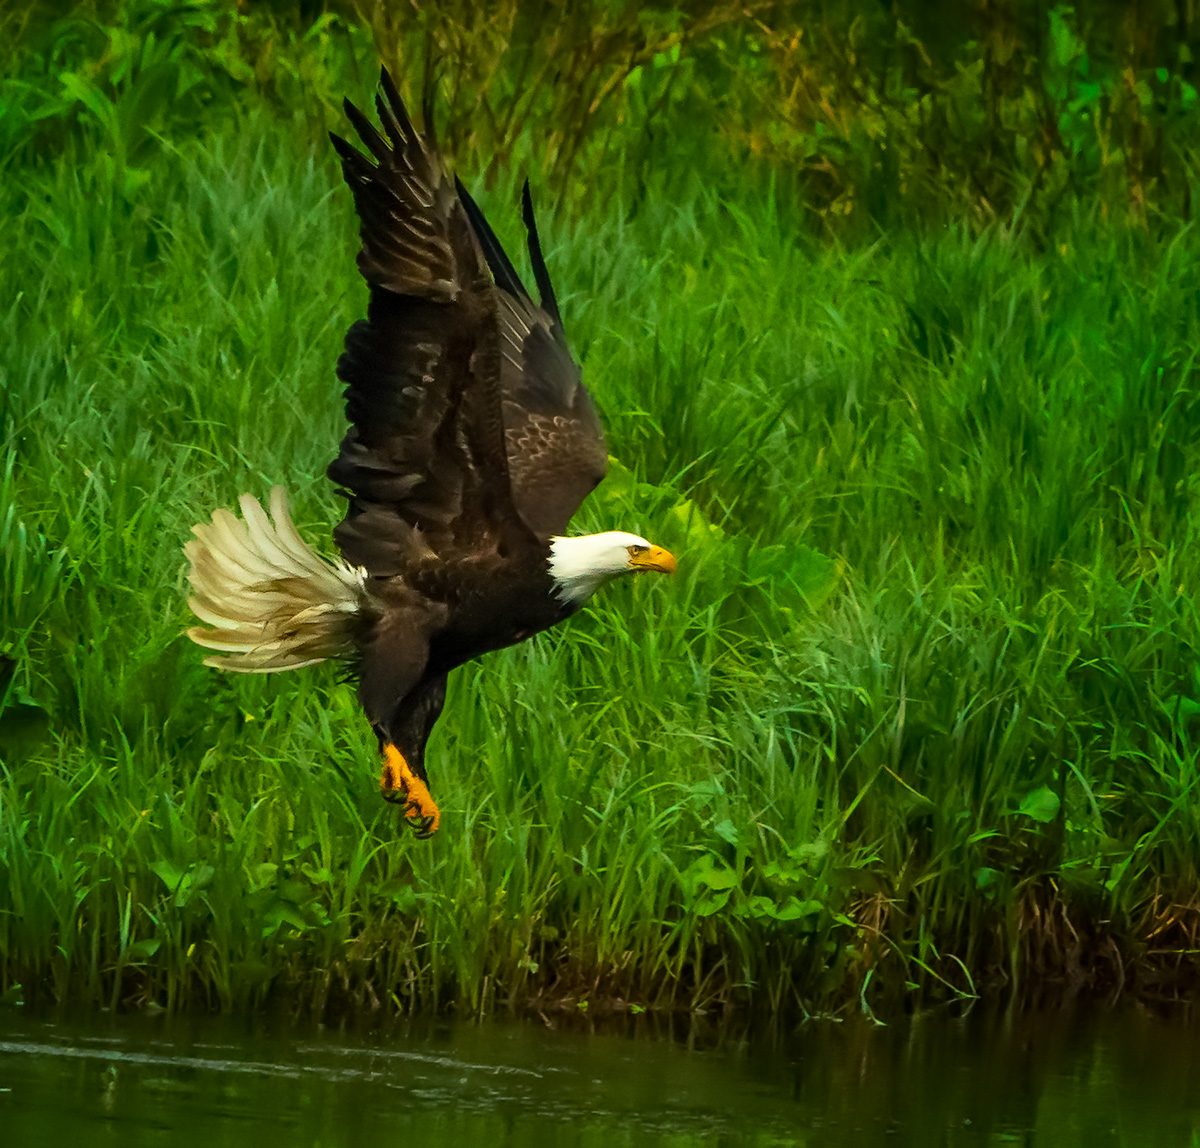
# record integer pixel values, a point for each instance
(273, 602)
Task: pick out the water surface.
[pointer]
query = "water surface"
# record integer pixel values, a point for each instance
(1087, 1077)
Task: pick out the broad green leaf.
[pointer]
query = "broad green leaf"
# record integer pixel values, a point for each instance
(719, 877)
(707, 872)
(1042, 804)
(798, 576)
(280, 913)
(783, 873)
(142, 950)
(986, 878)
(712, 903)
(169, 873)
(793, 909)
(761, 907)
(262, 874)
(810, 850)
(727, 831)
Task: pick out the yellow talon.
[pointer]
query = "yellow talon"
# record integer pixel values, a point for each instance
(399, 784)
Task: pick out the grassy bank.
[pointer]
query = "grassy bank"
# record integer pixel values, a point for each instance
(916, 716)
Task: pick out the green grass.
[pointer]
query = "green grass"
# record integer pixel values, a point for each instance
(917, 711)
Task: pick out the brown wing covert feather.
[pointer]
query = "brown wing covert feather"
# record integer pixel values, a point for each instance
(555, 442)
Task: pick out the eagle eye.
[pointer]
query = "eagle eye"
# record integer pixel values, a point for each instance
(636, 549)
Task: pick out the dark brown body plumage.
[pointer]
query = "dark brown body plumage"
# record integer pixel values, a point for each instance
(473, 439)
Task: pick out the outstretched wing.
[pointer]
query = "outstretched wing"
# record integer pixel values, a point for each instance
(424, 463)
(553, 437)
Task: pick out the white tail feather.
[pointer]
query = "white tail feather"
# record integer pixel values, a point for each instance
(273, 602)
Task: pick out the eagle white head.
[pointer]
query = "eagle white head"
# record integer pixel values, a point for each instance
(580, 565)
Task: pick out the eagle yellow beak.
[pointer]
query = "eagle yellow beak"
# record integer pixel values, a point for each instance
(656, 558)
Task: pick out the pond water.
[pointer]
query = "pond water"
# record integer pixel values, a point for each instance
(1086, 1077)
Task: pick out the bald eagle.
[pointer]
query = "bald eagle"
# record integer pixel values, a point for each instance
(472, 443)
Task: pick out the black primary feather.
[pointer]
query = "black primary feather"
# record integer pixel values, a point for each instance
(540, 274)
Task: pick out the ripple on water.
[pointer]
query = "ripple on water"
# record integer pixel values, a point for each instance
(1079, 1078)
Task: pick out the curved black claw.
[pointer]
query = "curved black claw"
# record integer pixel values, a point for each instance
(424, 825)
(421, 826)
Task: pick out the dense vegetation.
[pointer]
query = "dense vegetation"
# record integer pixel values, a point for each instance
(914, 403)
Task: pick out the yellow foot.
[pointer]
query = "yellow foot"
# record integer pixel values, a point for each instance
(400, 785)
